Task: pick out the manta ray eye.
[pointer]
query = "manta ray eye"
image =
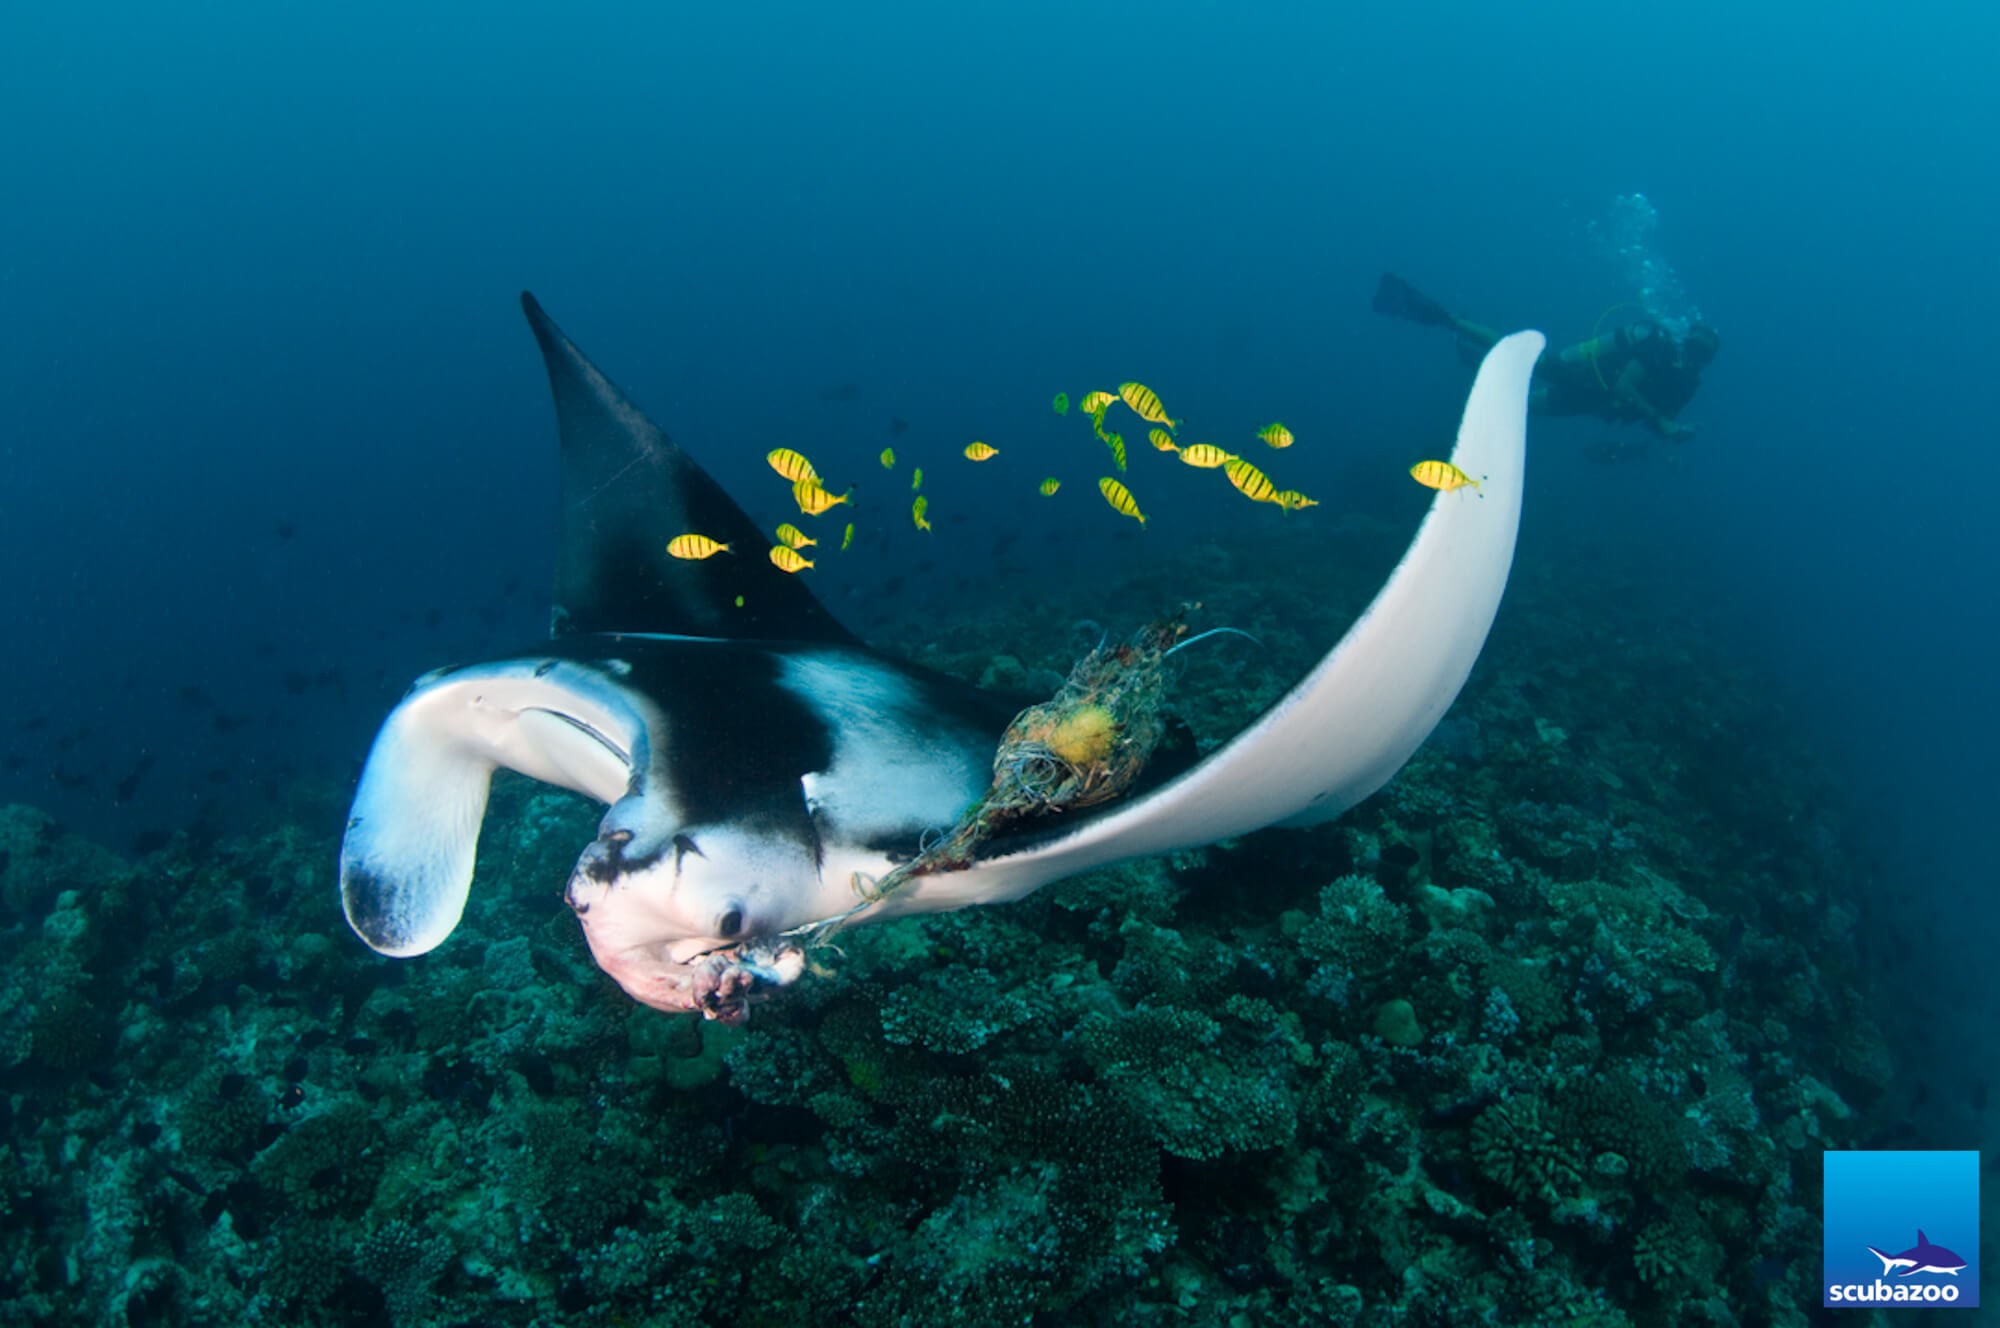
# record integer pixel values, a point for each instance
(731, 921)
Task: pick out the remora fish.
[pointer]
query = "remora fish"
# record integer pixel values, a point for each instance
(762, 765)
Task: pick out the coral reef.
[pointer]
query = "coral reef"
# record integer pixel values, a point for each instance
(1531, 1037)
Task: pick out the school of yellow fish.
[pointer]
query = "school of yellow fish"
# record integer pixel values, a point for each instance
(814, 499)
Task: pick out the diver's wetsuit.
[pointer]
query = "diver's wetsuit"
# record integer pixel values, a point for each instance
(1615, 376)
(1637, 372)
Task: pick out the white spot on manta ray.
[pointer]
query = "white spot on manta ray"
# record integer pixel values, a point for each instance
(897, 765)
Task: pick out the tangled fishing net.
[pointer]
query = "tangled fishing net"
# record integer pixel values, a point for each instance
(1082, 748)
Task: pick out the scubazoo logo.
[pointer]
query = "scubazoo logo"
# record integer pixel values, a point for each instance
(1872, 1192)
(1923, 1257)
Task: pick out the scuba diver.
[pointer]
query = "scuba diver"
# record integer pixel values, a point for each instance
(1638, 372)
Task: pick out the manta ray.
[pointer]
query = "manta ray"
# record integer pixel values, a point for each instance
(761, 766)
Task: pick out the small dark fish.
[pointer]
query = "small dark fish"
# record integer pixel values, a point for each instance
(226, 724)
(892, 585)
(293, 1097)
(151, 841)
(898, 425)
(841, 391)
(285, 530)
(432, 617)
(35, 725)
(195, 697)
(511, 587)
(122, 792)
(296, 683)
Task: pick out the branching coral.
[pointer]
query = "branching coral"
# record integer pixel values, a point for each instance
(1517, 1147)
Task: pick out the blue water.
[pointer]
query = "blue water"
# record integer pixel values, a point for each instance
(274, 439)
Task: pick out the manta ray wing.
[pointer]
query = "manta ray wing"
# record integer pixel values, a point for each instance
(1360, 714)
(627, 489)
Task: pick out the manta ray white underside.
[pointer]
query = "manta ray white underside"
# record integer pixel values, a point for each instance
(760, 763)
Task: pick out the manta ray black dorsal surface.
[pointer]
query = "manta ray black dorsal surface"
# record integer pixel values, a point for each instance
(627, 489)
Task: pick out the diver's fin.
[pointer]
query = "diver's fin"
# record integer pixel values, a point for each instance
(1359, 715)
(1399, 299)
(627, 490)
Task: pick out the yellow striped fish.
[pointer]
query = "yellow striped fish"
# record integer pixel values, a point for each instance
(1291, 500)
(1441, 475)
(1254, 483)
(917, 510)
(980, 451)
(1049, 486)
(1116, 442)
(695, 547)
(1277, 435)
(1096, 403)
(1061, 403)
(793, 467)
(888, 458)
(812, 499)
(847, 536)
(1121, 499)
(792, 537)
(917, 479)
(1206, 456)
(1161, 440)
(1145, 403)
(788, 560)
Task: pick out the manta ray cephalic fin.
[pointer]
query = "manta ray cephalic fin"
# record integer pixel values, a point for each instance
(406, 860)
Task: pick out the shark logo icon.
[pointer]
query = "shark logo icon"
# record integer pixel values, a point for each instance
(1923, 1257)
